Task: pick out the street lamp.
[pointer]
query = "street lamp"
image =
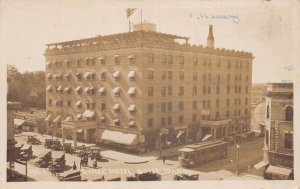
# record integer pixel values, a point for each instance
(160, 144)
(238, 159)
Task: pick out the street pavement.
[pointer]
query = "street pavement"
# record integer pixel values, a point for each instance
(117, 164)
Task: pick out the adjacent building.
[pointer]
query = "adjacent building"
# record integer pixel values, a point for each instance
(124, 89)
(279, 150)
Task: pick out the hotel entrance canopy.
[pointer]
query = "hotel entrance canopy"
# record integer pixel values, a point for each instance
(119, 137)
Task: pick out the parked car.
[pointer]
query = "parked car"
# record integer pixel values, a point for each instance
(33, 140)
(26, 152)
(95, 153)
(57, 146)
(68, 148)
(44, 159)
(72, 175)
(58, 162)
(186, 177)
(48, 143)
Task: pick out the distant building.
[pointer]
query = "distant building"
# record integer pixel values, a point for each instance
(123, 89)
(279, 150)
(33, 121)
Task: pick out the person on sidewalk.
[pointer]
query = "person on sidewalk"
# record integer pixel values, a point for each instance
(95, 163)
(164, 158)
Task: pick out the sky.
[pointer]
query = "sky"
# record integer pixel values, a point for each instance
(265, 28)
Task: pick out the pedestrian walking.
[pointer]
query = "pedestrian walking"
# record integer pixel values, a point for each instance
(164, 158)
(74, 166)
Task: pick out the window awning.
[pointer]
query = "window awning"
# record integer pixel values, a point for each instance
(78, 88)
(78, 103)
(260, 165)
(59, 88)
(78, 74)
(131, 74)
(68, 88)
(88, 113)
(101, 90)
(279, 170)
(57, 119)
(119, 137)
(131, 90)
(87, 75)
(49, 75)
(68, 74)
(179, 134)
(86, 89)
(102, 118)
(78, 116)
(116, 90)
(116, 74)
(116, 107)
(58, 75)
(131, 123)
(18, 122)
(206, 137)
(117, 120)
(102, 58)
(131, 108)
(49, 117)
(116, 56)
(131, 56)
(67, 60)
(49, 87)
(68, 118)
(79, 131)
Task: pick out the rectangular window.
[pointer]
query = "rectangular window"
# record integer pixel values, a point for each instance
(227, 113)
(181, 106)
(288, 140)
(163, 121)
(217, 103)
(150, 91)
(150, 75)
(204, 90)
(180, 119)
(69, 103)
(228, 77)
(208, 104)
(163, 75)
(170, 90)
(194, 117)
(246, 89)
(163, 91)
(163, 107)
(163, 58)
(209, 76)
(203, 104)
(195, 90)
(117, 59)
(239, 112)
(150, 123)
(239, 101)
(169, 120)
(246, 101)
(170, 59)
(103, 106)
(150, 108)
(204, 76)
(228, 89)
(195, 105)
(170, 106)
(246, 111)
(195, 76)
(208, 90)
(50, 102)
(227, 102)
(217, 115)
(170, 75)
(181, 75)
(181, 91)
(217, 89)
(235, 102)
(103, 76)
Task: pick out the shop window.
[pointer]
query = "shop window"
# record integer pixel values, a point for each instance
(288, 140)
(289, 114)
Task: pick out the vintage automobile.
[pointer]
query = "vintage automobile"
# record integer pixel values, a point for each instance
(72, 175)
(58, 162)
(68, 148)
(84, 160)
(95, 153)
(186, 177)
(148, 176)
(44, 159)
(81, 150)
(48, 143)
(26, 152)
(57, 146)
(33, 140)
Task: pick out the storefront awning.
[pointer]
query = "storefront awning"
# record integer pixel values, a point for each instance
(57, 119)
(18, 122)
(206, 137)
(88, 113)
(49, 117)
(186, 150)
(179, 134)
(279, 170)
(131, 90)
(260, 165)
(119, 137)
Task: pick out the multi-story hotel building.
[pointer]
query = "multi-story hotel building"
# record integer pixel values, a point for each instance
(124, 88)
(278, 150)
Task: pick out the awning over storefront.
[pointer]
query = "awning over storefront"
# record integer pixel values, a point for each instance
(186, 150)
(260, 165)
(49, 117)
(57, 119)
(119, 137)
(18, 122)
(279, 170)
(179, 134)
(88, 113)
(131, 90)
(206, 137)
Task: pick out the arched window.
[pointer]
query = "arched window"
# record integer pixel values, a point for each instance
(268, 111)
(289, 113)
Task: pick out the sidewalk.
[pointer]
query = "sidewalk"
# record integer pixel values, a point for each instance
(126, 158)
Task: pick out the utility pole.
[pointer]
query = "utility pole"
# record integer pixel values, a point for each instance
(238, 160)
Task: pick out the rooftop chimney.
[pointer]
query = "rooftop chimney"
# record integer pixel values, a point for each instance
(210, 38)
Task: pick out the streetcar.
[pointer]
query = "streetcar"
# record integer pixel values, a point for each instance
(196, 154)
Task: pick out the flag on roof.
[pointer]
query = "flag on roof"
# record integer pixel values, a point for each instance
(130, 11)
